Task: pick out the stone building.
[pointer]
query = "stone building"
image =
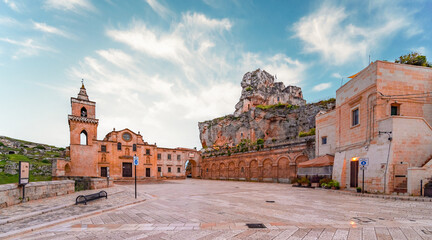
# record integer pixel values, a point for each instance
(90, 157)
(383, 114)
(260, 141)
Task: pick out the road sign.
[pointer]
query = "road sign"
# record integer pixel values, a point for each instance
(135, 160)
(364, 161)
(363, 168)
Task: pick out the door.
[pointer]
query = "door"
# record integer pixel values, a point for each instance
(104, 172)
(354, 173)
(147, 172)
(127, 169)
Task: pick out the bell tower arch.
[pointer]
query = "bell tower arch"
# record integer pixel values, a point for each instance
(83, 135)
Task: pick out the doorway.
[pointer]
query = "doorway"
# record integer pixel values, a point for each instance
(127, 170)
(104, 172)
(354, 173)
(147, 172)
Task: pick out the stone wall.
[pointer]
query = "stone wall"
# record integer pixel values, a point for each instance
(87, 183)
(11, 194)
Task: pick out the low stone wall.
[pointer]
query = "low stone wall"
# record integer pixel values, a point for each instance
(11, 194)
(87, 183)
(98, 183)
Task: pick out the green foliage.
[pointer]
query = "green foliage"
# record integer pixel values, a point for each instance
(303, 180)
(248, 89)
(311, 132)
(40, 147)
(278, 106)
(1, 144)
(6, 178)
(62, 149)
(414, 58)
(324, 181)
(324, 103)
(46, 161)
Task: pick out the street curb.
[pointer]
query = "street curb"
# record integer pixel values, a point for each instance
(23, 231)
(390, 197)
(14, 219)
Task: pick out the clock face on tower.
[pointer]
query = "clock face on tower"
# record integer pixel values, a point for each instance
(127, 137)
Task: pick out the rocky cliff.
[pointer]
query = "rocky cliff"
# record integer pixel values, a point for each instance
(267, 110)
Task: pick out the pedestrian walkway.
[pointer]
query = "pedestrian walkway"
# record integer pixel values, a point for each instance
(205, 209)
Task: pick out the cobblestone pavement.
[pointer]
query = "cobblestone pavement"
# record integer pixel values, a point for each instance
(205, 209)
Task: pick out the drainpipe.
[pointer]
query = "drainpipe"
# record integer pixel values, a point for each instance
(388, 156)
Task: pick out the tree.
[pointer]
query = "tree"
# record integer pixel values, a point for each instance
(414, 58)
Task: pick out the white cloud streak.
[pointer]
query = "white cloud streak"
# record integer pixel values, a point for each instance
(330, 31)
(76, 6)
(12, 5)
(160, 9)
(321, 87)
(49, 29)
(28, 47)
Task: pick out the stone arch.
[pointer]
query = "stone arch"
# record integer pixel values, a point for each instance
(214, 171)
(207, 171)
(67, 168)
(253, 170)
(223, 171)
(267, 172)
(83, 137)
(242, 170)
(231, 170)
(192, 168)
(283, 169)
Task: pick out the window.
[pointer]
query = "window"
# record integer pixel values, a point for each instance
(178, 169)
(394, 110)
(159, 156)
(159, 169)
(355, 117)
(148, 151)
(103, 148)
(278, 99)
(169, 156)
(241, 134)
(179, 157)
(242, 169)
(83, 138)
(83, 112)
(324, 140)
(207, 170)
(134, 147)
(119, 146)
(169, 169)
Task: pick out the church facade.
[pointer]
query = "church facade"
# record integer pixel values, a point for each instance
(113, 156)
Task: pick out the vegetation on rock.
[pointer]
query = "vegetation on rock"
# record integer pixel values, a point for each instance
(414, 58)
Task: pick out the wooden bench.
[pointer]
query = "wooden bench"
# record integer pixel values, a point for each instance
(85, 198)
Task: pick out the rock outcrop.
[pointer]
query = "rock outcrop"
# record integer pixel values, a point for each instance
(266, 110)
(259, 88)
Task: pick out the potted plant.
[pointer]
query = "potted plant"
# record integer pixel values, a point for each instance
(295, 182)
(304, 182)
(358, 189)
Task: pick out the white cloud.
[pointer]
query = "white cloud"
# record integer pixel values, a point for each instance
(160, 9)
(337, 75)
(49, 29)
(321, 87)
(27, 47)
(70, 5)
(12, 5)
(330, 31)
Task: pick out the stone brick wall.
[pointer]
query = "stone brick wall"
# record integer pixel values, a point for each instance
(11, 194)
(325, 127)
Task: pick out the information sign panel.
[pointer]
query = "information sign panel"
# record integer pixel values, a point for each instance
(135, 160)
(364, 161)
(24, 172)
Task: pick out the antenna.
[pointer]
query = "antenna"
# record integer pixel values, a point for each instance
(341, 81)
(369, 58)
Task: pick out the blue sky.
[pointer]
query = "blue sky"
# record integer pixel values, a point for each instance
(160, 67)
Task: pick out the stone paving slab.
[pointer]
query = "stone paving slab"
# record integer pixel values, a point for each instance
(204, 209)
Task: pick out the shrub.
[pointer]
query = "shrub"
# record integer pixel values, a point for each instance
(324, 181)
(311, 132)
(40, 147)
(46, 161)
(304, 180)
(248, 89)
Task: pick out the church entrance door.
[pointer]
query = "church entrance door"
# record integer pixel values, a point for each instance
(147, 172)
(127, 169)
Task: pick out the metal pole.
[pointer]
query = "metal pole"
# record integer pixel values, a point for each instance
(421, 187)
(363, 181)
(135, 184)
(23, 199)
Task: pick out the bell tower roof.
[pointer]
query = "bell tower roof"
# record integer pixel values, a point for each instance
(82, 95)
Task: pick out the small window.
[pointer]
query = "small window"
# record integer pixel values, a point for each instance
(83, 138)
(355, 117)
(169, 156)
(148, 151)
(394, 110)
(242, 169)
(119, 146)
(207, 170)
(169, 169)
(83, 112)
(179, 157)
(324, 140)
(278, 99)
(159, 169)
(103, 148)
(178, 169)
(159, 157)
(134, 147)
(241, 134)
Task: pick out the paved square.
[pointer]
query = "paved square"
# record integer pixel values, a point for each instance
(206, 209)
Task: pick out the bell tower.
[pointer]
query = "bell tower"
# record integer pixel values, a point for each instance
(83, 135)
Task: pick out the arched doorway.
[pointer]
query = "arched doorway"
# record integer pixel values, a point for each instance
(267, 170)
(283, 172)
(214, 171)
(242, 171)
(192, 169)
(223, 171)
(253, 170)
(231, 170)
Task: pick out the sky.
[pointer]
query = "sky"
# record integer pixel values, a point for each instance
(160, 66)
